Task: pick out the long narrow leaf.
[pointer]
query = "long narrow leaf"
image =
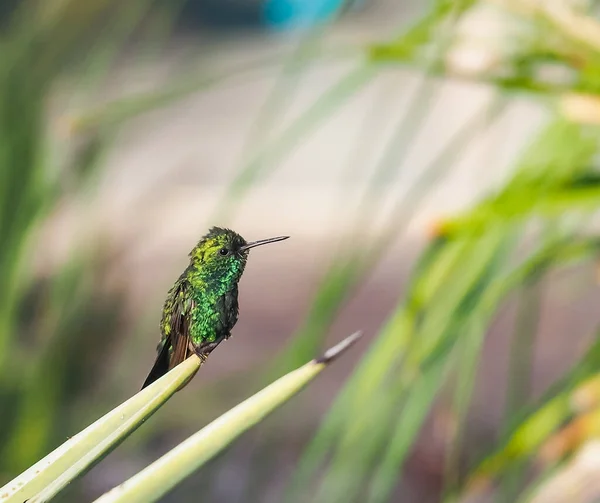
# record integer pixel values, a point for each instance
(83, 450)
(165, 473)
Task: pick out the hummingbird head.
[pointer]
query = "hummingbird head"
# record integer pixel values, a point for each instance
(222, 253)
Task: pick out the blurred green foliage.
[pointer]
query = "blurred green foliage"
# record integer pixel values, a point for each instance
(476, 261)
(57, 327)
(460, 283)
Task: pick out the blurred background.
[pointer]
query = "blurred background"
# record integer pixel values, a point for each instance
(436, 166)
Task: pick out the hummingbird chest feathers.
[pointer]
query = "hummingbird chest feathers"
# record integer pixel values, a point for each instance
(213, 315)
(202, 307)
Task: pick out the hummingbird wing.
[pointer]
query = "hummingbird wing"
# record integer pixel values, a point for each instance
(180, 341)
(175, 326)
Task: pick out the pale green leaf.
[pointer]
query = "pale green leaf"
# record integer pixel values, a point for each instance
(81, 452)
(161, 476)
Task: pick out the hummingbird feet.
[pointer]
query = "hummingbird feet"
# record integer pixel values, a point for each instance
(203, 350)
(198, 350)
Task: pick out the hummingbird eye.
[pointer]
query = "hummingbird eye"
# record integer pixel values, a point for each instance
(223, 252)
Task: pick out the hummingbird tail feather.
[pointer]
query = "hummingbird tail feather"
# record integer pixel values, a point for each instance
(161, 365)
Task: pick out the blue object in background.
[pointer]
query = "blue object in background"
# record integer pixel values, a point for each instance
(285, 14)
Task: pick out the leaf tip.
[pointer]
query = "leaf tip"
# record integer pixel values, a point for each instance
(332, 353)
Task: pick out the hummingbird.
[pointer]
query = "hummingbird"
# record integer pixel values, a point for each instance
(202, 306)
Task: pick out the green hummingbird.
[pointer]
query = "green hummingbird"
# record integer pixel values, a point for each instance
(202, 306)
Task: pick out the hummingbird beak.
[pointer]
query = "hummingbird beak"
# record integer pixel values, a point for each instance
(261, 242)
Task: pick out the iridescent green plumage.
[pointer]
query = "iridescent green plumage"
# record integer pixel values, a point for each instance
(202, 307)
